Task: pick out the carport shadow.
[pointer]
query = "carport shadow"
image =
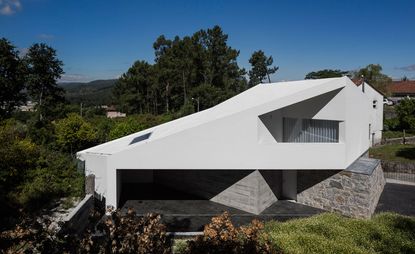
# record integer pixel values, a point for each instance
(151, 191)
(204, 184)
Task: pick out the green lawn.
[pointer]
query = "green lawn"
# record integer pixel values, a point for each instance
(332, 233)
(394, 152)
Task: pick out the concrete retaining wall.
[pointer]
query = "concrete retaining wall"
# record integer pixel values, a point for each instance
(349, 193)
(77, 220)
(403, 171)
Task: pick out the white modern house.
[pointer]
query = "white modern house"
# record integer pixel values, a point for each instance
(294, 140)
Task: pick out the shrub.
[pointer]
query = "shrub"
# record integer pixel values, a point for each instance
(73, 133)
(135, 123)
(125, 127)
(406, 113)
(128, 234)
(117, 234)
(221, 236)
(391, 124)
(54, 176)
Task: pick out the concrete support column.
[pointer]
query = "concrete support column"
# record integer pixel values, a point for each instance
(90, 184)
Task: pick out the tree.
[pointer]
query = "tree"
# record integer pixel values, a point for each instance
(326, 73)
(182, 66)
(11, 78)
(406, 114)
(125, 127)
(73, 133)
(260, 68)
(44, 69)
(134, 89)
(373, 75)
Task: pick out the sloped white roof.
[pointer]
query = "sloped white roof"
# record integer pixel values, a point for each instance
(251, 98)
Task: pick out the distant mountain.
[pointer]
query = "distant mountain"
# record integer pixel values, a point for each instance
(97, 92)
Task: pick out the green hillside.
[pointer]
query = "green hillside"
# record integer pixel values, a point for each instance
(97, 92)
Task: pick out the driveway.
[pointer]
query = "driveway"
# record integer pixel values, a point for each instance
(397, 198)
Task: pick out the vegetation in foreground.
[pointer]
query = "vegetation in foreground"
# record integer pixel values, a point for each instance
(325, 233)
(128, 233)
(394, 152)
(332, 233)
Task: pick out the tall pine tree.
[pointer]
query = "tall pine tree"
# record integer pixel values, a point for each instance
(11, 78)
(261, 68)
(43, 71)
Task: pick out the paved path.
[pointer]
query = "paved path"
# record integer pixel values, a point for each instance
(399, 198)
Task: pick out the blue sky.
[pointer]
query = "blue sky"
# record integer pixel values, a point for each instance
(101, 39)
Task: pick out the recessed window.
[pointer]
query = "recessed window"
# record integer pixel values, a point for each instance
(375, 103)
(140, 138)
(310, 131)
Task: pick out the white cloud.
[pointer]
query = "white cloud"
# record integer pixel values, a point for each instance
(74, 78)
(23, 51)
(9, 7)
(407, 68)
(46, 36)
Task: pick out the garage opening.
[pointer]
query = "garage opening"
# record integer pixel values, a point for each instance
(174, 184)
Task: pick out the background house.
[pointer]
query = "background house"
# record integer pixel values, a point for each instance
(401, 89)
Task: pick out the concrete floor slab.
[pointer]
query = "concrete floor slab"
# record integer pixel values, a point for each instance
(192, 215)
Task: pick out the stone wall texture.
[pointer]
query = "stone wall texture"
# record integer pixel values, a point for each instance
(351, 194)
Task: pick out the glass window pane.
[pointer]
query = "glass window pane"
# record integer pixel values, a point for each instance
(310, 131)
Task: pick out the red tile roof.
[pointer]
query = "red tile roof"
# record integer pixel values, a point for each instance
(357, 81)
(402, 87)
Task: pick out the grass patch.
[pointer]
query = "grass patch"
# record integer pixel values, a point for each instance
(332, 233)
(394, 152)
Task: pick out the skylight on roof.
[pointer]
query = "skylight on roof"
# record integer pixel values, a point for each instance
(140, 138)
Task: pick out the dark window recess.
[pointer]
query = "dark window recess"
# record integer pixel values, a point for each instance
(310, 131)
(80, 165)
(140, 138)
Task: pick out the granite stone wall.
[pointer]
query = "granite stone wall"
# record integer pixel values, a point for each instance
(349, 193)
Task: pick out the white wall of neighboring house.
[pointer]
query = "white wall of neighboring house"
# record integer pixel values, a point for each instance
(376, 113)
(245, 133)
(115, 114)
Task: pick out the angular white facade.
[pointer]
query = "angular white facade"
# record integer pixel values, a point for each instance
(310, 125)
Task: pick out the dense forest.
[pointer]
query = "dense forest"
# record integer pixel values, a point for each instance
(97, 92)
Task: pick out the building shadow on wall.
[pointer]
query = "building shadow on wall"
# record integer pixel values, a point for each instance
(308, 178)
